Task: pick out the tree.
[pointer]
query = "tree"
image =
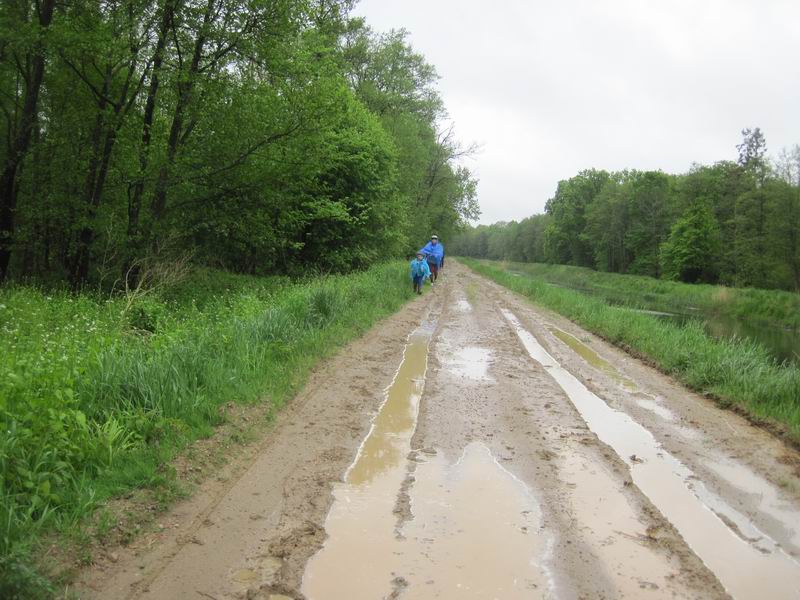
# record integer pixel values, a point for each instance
(25, 29)
(649, 207)
(398, 85)
(607, 225)
(567, 209)
(690, 252)
(751, 208)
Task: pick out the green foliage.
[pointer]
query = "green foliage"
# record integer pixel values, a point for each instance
(737, 372)
(524, 241)
(766, 307)
(640, 222)
(91, 402)
(691, 251)
(257, 137)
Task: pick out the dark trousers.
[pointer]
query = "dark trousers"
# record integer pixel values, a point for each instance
(434, 270)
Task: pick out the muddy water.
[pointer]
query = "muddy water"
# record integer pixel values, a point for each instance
(610, 527)
(470, 362)
(769, 501)
(359, 557)
(746, 561)
(735, 473)
(592, 357)
(473, 532)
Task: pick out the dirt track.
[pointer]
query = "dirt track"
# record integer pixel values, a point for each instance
(515, 456)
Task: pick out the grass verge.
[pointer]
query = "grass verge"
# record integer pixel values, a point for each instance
(775, 307)
(737, 373)
(97, 395)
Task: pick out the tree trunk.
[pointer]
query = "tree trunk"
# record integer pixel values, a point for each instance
(185, 89)
(135, 203)
(80, 263)
(21, 141)
(106, 132)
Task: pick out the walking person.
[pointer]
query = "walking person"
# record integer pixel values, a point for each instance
(419, 272)
(434, 254)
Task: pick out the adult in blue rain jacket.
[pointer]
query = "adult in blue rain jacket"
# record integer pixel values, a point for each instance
(419, 272)
(434, 254)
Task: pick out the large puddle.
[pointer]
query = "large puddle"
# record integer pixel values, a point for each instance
(359, 558)
(745, 560)
(473, 531)
(643, 399)
(593, 358)
(610, 526)
(469, 362)
(735, 474)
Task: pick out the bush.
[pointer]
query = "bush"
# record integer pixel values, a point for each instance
(88, 384)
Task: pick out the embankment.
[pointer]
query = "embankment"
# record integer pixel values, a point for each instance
(739, 373)
(97, 395)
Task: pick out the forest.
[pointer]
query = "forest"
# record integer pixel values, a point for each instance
(734, 222)
(199, 201)
(256, 136)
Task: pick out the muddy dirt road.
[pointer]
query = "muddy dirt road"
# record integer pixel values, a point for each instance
(477, 447)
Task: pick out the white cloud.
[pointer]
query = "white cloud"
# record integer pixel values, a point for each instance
(550, 88)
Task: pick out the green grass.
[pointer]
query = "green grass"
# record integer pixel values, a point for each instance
(738, 373)
(97, 395)
(772, 306)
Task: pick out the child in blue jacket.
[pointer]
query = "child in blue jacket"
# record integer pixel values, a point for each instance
(420, 271)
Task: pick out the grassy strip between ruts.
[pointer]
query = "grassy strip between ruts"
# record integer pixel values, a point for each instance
(738, 373)
(97, 395)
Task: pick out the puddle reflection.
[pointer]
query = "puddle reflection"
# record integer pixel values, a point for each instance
(747, 568)
(475, 533)
(593, 358)
(471, 362)
(358, 559)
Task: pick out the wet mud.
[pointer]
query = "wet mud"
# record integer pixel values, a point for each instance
(477, 446)
(745, 560)
(360, 526)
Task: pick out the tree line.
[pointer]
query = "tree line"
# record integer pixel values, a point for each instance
(733, 222)
(259, 136)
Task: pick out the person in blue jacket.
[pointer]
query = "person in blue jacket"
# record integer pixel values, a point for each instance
(434, 254)
(419, 272)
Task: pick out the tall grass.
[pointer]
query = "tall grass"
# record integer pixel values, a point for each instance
(772, 306)
(96, 394)
(738, 373)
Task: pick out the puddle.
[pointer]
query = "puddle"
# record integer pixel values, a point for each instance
(475, 530)
(610, 526)
(471, 362)
(593, 358)
(245, 576)
(359, 556)
(463, 305)
(770, 502)
(747, 566)
(475, 533)
(656, 408)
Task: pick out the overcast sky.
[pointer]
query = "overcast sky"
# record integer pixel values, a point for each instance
(552, 87)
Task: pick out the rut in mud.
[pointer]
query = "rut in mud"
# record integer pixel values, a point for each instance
(475, 446)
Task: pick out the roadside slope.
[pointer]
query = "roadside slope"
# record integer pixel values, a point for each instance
(216, 544)
(506, 484)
